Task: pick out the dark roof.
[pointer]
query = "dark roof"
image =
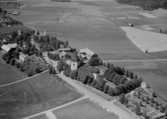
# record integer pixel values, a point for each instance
(89, 69)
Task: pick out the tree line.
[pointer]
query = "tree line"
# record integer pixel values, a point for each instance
(146, 4)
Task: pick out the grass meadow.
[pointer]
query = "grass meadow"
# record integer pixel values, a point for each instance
(9, 73)
(34, 95)
(83, 109)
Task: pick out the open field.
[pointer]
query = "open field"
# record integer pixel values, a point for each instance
(161, 54)
(97, 34)
(159, 12)
(12, 28)
(152, 72)
(9, 73)
(146, 40)
(34, 95)
(85, 24)
(83, 109)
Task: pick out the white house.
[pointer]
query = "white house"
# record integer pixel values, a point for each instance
(7, 48)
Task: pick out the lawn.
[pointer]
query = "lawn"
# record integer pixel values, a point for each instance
(9, 73)
(34, 95)
(83, 109)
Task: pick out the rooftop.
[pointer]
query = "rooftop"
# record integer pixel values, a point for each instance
(8, 47)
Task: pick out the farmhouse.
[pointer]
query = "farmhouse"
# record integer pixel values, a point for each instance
(88, 71)
(86, 53)
(9, 47)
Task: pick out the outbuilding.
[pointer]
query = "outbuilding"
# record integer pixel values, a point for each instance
(9, 47)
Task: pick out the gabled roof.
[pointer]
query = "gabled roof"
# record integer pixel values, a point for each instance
(8, 47)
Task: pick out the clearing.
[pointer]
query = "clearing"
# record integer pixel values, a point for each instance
(83, 109)
(34, 95)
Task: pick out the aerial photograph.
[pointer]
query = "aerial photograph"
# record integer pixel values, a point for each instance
(83, 59)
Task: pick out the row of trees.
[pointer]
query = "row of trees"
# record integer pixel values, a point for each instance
(146, 4)
(119, 70)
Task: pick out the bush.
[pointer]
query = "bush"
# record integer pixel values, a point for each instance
(30, 73)
(17, 65)
(154, 94)
(12, 62)
(4, 56)
(52, 70)
(7, 59)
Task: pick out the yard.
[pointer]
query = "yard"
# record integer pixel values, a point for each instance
(34, 95)
(9, 73)
(83, 109)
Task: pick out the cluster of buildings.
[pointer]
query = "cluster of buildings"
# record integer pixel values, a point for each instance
(70, 56)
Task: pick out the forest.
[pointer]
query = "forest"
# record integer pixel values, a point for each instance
(146, 4)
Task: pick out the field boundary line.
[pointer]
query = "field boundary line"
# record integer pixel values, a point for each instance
(22, 79)
(134, 60)
(55, 108)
